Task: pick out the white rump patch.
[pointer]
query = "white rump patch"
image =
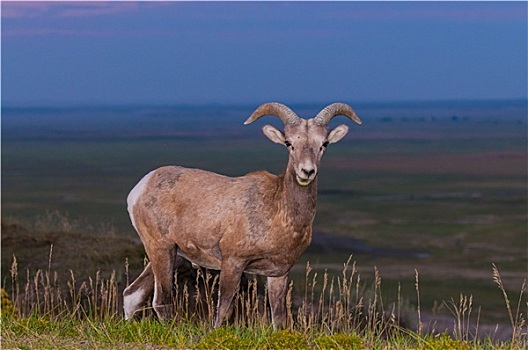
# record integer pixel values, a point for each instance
(135, 194)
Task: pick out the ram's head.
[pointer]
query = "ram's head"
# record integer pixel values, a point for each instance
(306, 139)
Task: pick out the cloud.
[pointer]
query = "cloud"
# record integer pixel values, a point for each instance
(24, 9)
(73, 18)
(422, 11)
(85, 9)
(226, 19)
(484, 11)
(51, 9)
(47, 31)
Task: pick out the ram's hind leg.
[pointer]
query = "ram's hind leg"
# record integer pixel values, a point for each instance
(137, 293)
(163, 263)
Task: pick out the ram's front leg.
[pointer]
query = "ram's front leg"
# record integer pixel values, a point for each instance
(277, 288)
(230, 274)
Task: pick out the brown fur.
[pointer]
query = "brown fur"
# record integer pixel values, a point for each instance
(259, 223)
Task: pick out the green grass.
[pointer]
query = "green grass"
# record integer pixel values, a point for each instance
(38, 333)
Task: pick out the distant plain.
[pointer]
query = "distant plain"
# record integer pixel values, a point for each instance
(440, 187)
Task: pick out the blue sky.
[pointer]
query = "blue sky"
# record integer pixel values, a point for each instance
(67, 53)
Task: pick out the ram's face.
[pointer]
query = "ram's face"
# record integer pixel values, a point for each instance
(306, 142)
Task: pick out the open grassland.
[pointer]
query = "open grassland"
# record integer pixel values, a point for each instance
(443, 196)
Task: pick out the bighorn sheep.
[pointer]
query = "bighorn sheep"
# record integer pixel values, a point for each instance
(258, 223)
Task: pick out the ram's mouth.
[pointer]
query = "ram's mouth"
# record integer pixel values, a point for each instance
(303, 182)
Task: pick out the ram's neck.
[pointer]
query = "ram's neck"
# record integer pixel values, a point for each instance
(299, 201)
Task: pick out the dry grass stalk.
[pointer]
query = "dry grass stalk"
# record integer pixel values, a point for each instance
(334, 305)
(417, 286)
(462, 313)
(517, 320)
(329, 304)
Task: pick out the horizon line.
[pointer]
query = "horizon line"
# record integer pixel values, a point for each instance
(75, 105)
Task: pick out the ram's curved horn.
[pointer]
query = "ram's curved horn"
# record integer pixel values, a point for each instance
(335, 109)
(277, 109)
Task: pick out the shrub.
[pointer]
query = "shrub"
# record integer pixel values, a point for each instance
(7, 308)
(285, 339)
(226, 338)
(445, 342)
(339, 341)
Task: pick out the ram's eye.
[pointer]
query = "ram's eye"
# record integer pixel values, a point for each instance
(324, 145)
(288, 144)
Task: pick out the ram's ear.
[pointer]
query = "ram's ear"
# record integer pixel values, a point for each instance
(337, 134)
(274, 134)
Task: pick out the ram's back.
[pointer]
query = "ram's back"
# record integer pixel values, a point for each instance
(204, 213)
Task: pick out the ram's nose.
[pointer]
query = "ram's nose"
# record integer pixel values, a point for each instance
(308, 172)
(306, 175)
